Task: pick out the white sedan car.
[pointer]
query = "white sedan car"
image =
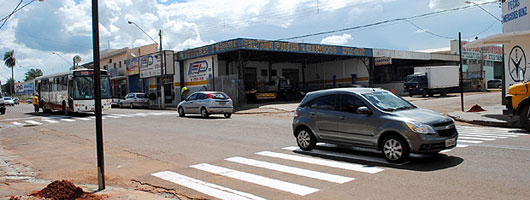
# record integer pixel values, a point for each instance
(8, 101)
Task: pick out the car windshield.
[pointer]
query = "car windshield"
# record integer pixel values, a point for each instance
(413, 78)
(7, 98)
(387, 101)
(84, 88)
(219, 96)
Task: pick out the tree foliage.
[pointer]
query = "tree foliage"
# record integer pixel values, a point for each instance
(32, 74)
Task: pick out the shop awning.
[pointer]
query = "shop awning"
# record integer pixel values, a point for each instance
(503, 38)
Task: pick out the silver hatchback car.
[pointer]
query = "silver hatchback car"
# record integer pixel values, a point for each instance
(373, 118)
(206, 103)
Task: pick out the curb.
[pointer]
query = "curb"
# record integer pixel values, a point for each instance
(487, 123)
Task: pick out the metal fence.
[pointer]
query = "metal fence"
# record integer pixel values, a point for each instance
(228, 84)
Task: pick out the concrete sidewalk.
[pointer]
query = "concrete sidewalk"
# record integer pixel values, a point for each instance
(491, 117)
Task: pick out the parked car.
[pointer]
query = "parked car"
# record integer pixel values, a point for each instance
(133, 100)
(8, 101)
(494, 83)
(29, 101)
(15, 100)
(115, 102)
(373, 118)
(206, 103)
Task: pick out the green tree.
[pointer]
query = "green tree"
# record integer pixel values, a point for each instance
(10, 61)
(9, 84)
(32, 74)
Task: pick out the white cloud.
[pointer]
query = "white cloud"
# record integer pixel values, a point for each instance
(337, 39)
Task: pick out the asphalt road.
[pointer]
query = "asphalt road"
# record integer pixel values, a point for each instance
(254, 157)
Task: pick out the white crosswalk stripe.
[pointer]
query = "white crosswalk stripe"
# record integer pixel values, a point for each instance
(323, 162)
(470, 141)
(18, 124)
(256, 179)
(291, 170)
(476, 138)
(204, 187)
(68, 120)
(50, 121)
(33, 122)
(82, 118)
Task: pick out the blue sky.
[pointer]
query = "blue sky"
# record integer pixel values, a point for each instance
(64, 26)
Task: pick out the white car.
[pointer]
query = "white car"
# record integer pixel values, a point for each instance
(8, 101)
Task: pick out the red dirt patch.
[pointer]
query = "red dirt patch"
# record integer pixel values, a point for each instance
(64, 189)
(476, 108)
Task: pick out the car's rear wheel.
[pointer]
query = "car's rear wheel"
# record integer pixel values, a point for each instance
(204, 113)
(305, 139)
(227, 115)
(395, 149)
(181, 112)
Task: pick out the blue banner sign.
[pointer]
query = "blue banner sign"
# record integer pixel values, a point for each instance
(276, 46)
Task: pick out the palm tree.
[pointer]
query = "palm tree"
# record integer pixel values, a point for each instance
(10, 61)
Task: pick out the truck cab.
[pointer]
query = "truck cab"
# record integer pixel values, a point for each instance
(416, 84)
(518, 103)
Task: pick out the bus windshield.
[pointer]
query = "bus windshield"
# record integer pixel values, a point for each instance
(84, 87)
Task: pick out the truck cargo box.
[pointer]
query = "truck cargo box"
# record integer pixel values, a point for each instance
(440, 76)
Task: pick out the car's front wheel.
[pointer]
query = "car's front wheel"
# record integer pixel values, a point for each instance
(524, 117)
(227, 115)
(395, 149)
(181, 112)
(305, 139)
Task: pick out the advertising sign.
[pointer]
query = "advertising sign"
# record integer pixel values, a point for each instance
(132, 67)
(515, 16)
(382, 61)
(24, 88)
(150, 65)
(276, 46)
(198, 71)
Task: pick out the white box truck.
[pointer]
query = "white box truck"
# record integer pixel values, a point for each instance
(432, 80)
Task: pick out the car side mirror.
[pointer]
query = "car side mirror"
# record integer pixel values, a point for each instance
(364, 110)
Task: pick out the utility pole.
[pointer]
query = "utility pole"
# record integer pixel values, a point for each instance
(97, 96)
(162, 76)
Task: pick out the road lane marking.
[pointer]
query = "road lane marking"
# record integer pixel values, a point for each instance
(83, 118)
(483, 136)
(68, 120)
(469, 141)
(476, 138)
(50, 121)
(462, 145)
(210, 189)
(112, 116)
(291, 170)
(33, 122)
(323, 162)
(258, 180)
(490, 134)
(348, 156)
(18, 124)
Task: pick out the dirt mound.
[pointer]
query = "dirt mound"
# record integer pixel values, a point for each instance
(59, 190)
(476, 108)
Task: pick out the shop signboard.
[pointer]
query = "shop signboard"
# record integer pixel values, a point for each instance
(198, 71)
(275, 46)
(516, 60)
(132, 66)
(379, 61)
(150, 65)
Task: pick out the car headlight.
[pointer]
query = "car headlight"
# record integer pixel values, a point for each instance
(420, 128)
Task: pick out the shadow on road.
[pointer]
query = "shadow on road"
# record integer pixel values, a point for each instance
(372, 158)
(215, 117)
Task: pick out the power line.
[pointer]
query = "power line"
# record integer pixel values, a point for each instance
(10, 14)
(388, 21)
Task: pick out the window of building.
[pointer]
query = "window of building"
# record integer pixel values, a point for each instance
(263, 72)
(105, 67)
(120, 64)
(273, 72)
(114, 65)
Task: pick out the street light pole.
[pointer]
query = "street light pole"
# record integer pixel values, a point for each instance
(162, 77)
(97, 96)
(461, 68)
(478, 5)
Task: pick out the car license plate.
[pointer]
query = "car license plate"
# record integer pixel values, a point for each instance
(450, 142)
(222, 103)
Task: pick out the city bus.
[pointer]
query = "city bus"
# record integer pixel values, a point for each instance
(71, 91)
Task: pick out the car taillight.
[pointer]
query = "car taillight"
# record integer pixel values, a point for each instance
(296, 113)
(135, 100)
(210, 96)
